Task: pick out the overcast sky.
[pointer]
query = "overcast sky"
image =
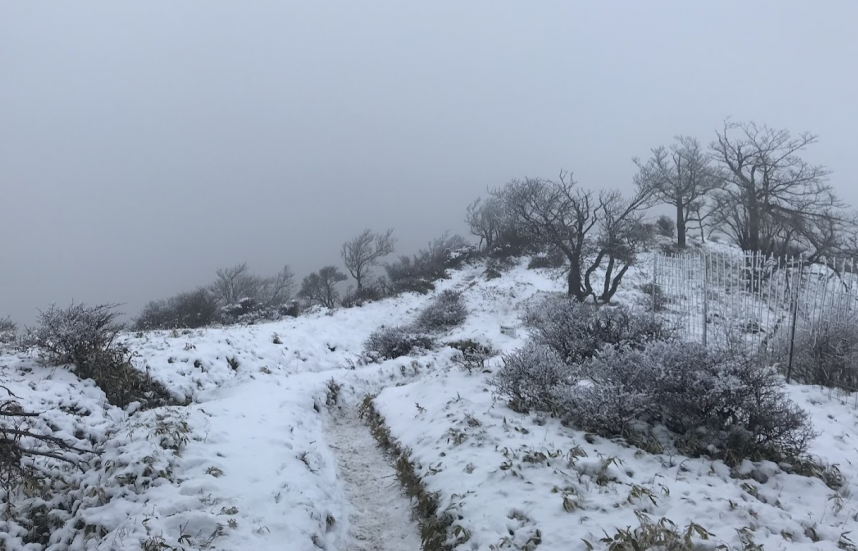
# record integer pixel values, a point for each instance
(144, 144)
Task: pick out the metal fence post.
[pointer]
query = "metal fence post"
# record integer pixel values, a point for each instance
(703, 257)
(654, 280)
(794, 318)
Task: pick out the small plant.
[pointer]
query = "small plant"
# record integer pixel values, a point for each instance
(232, 362)
(663, 535)
(214, 471)
(472, 355)
(332, 396)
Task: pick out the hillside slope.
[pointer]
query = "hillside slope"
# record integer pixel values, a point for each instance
(269, 454)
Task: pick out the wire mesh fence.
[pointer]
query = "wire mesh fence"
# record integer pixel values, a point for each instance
(781, 308)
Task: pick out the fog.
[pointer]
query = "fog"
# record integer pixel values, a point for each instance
(143, 145)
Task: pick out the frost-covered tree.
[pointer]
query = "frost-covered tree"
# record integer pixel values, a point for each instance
(774, 201)
(235, 283)
(364, 251)
(682, 176)
(586, 227)
(277, 290)
(321, 287)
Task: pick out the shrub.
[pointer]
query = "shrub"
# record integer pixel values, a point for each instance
(554, 258)
(389, 343)
(472, 355)
(85, 336)
(446, 311)
(8, 330)
(416, 273)
(291, 308)
(246, 309)
(321, 287)
(530, 376)
(189, 310)
(719, 403)
(665, 226)
(657, 301)
(67, 335)
(825, 355)
(608, 392)
(358, 297)
(578, 330)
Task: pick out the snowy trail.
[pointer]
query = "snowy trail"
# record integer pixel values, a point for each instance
(380, 518)
(264, 467)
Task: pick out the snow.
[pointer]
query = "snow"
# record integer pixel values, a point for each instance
(263, 458)
(380, 518)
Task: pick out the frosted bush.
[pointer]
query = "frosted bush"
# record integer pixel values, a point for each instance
(446, 311)
(825, 355)
(389, 343)
(530, 376)
(85, 336)
(577, 330)
(719, 403)
(613, 389)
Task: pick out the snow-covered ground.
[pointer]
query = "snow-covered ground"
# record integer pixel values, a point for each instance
(271, 455)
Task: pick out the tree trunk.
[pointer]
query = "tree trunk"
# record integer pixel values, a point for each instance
(609, 294)
(680, 225)
(574, 281)
(753, 222)
(609, 271)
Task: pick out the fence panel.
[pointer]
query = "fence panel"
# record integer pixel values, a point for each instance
(748, 300)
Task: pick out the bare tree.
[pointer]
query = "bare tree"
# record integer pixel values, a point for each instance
(558, 213)
(562, 214)
(498, 233)
(364, 251)
(773, 201)
(682, 177)
(622, 234)
(278, 290)
(321, 287)
(235, 283)
(485, 220)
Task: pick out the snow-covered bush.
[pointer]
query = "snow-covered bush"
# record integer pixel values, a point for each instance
(530, 376)
(608, 392)
(578, 330)
(717, 403)
(552, 258)
(417, 272)
(665, 226)
(188, 310)
(370, 292)
(825, 355)
(67, 335)
(85, 336)
(472, 355)
(446, 311)
(8, 330)
(389, 343)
